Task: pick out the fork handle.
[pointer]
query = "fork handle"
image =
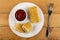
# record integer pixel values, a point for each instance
(47, 31)
(48, 27)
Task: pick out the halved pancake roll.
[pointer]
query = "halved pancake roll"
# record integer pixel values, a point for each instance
(27, 27)
(18, 27)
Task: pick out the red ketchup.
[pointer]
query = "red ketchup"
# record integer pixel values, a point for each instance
(20, 15)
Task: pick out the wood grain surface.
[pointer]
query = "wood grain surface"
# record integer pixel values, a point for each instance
(7, 5)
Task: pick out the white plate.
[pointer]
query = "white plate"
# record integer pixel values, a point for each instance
(37, 27)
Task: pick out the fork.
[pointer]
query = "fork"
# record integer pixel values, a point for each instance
(50, 9)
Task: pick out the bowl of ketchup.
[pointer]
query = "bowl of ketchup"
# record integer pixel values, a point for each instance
(20, 15)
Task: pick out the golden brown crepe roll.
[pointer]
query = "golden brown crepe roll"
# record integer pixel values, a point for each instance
(33, 14)
(18, 27)
(27, 27)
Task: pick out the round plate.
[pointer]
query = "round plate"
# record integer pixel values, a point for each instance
(37, 26)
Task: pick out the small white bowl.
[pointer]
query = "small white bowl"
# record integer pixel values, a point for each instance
(23, 21)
